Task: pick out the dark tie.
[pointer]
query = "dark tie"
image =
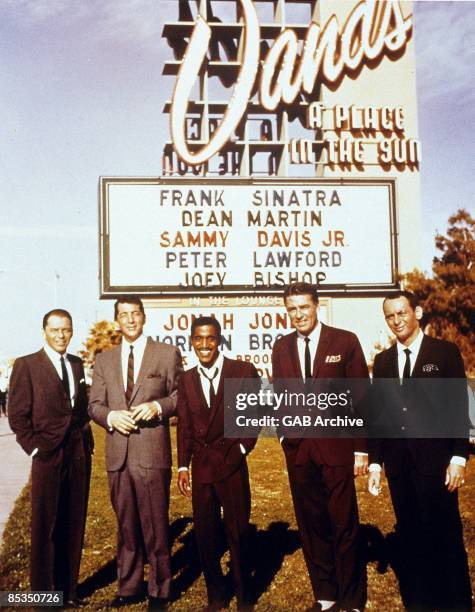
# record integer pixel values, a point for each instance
(65, 379)
(130, 375)
(308, 361)
(407, 366)
(212, 394)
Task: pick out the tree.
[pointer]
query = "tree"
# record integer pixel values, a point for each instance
(103, 336)
(448, 297)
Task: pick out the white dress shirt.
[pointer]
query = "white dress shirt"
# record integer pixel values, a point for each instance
(139, 349)
(414, 347)
(314, 337)
(213, 372)
(55, 359)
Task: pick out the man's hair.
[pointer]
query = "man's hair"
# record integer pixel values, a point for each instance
(128, 299)
(200, 321)
(410, 297)
(57, 312)
(301, 289)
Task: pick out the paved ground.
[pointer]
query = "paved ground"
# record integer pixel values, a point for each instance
(15, 469)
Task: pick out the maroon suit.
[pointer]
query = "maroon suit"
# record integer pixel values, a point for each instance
(321, 475)
(220, 477)
(41, 415)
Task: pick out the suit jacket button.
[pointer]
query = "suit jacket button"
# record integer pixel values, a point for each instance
(403, 428)
(404, 409)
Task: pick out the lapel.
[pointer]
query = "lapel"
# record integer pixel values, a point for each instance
(147, 361)
(422, 357)
(198, 390)
(75, 367)
(50, 371)
(392, 364)
(116, 358)
(294, 358)
(323, 342)
(392, 372)
(218, 404)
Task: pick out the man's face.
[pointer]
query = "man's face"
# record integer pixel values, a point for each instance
(205, 343)
(302, 311)
(130, 321)
(58, 333)
(402, 319)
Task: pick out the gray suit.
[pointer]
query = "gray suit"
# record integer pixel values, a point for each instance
(139, 465)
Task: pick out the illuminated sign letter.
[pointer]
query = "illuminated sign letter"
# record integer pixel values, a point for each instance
(188, 73)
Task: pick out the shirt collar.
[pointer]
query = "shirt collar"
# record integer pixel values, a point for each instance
(414, 346)
(138, 343)
(210, 371)
(314, 335)
(54, 355)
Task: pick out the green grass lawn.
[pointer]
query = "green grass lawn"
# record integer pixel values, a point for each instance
(280, 572)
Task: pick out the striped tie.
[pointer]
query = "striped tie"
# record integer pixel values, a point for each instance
(130, 375)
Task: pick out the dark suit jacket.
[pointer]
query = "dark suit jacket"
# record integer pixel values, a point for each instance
(157, 380)
(425, 406)
(339, 355)
(39, 412)
(201, 430)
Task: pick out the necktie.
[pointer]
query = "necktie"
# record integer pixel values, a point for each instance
(212, 394)
(65, 379)
(407, 366)
(130, 375)
(308, 361)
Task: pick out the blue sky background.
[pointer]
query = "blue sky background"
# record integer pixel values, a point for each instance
(81, 95)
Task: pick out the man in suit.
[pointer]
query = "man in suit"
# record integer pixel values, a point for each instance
(423, 473)
(321, 471)
(48, 412)
(218, 464)
(133, 395)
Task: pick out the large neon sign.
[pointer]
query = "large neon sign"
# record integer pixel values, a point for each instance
(372, 30)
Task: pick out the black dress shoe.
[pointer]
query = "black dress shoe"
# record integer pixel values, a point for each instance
(125, 600)
(157, 603)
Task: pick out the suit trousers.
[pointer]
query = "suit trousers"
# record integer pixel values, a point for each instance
(233, 495)
(140, 498)
(430, 536)
(326, 510)
(59, 494)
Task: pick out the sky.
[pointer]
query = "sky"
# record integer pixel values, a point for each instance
(81, 95)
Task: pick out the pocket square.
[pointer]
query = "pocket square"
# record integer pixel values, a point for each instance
(430, 367)
(332, 358)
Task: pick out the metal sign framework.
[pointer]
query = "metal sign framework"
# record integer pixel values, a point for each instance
(267, 125)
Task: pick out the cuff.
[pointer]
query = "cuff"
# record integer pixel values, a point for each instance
(374, 467)
(183, 469)
(243, 449)
(456, 460)
(159, 408)
(361, 454)
(109, 426)
(34, 452)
